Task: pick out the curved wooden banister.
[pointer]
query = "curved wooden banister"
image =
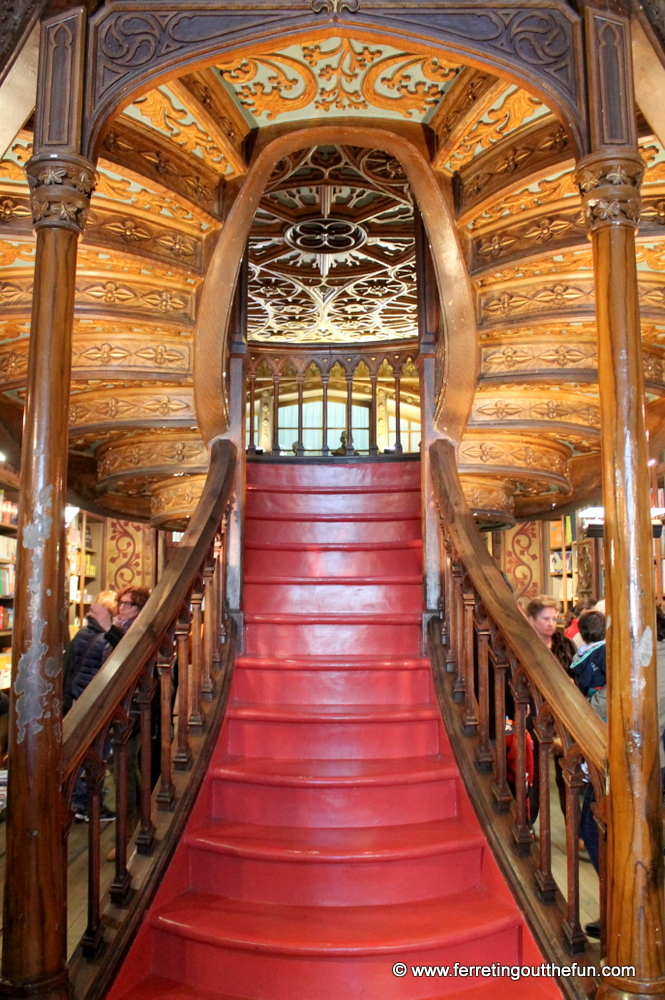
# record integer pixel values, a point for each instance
(94, 710)
(565, 700)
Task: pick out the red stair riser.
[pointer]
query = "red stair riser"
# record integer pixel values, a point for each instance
(331, 687)
(343, 806)
(367, 977)
(332, 740)
(330, 531)
(335, 883)
(308, 640)
(331, 563)
(339, 476)
(289, 598)
(344, 505)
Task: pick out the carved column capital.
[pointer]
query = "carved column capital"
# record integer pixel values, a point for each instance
(61, 185)
(609, 182)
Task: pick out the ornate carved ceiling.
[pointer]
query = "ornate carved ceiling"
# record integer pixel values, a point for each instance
(331, 261)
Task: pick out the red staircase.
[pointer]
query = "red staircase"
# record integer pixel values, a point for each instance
(332, 837)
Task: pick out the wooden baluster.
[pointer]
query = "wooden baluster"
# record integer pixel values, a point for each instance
(458, 634)
(448, 632)
(544, 727)
(165, 662)
(300, 445)
(221, 580)
(216, 620)
(182, 760)
(500, 789)
(349, 413)
(93, 936)
(484, 754)
(398, 430)
(120, 734)
(275, 413)
(325, 450)
(145, 838)
(470, 702)
(251, 447)
(522, 836)
(373, 417)
(574, 779)
(210, 628)
(195, 716)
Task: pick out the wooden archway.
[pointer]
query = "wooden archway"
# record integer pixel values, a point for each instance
(130, 51)
(458, 351)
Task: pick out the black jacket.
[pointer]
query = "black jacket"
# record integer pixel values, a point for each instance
(84, 656)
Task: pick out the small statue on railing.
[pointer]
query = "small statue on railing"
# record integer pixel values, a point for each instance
(343, 440)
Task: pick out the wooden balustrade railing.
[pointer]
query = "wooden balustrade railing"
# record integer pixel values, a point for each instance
(354, 374)
(181, 628)
(489, 664)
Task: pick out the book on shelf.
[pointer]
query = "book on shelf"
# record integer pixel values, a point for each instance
(7, 578)
(7, 548)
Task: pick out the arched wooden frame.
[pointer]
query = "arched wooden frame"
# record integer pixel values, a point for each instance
(130, 50)
(459, 350)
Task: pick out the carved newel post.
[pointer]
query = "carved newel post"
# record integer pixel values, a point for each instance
(609, 182)
(35, 930)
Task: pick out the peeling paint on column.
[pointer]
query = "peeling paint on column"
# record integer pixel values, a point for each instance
(645, 648)
(34, 691)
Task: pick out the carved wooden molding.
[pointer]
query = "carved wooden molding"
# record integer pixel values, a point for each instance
(140, 455)
(609, 64)
(535, 464)
(550, 410)
(60, 190)
(129, 48)
(145, 406)
(172, 503)
(132, 145)
(489, 497)
(609, 182)
(60, 83)
(515, 161)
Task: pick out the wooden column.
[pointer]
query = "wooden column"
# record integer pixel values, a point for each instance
(398, 430)
(275, 413)
(349, 413)
(325, 450)
(609, 181)
(300, 382)
(61, 181)
(251, 445)
(373, 416)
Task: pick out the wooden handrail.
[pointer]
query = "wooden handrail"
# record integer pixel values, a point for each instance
(94, 710)
(566, 701)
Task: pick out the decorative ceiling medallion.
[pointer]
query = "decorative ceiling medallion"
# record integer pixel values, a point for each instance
(328, 236)
(339, 76)
(332, 251)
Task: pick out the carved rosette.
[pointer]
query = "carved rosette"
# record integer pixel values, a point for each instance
(60, 189)
(491, 500)
(173, 503)
(609, 182)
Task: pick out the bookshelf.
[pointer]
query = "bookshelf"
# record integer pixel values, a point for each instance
(8, 529)
(85, 548)
(562, 566)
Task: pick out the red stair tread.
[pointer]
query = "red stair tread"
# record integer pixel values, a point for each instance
(337, 930)
(253, 488)
(333, 773)
(308, 516)
(503, 988)
(159, 988)
(372, 713)
(346, 581)
(330, 662)
(409, 543)
(340, 618)
(360, 844)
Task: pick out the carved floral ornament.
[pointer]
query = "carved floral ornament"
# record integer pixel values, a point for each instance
(609, 182)
(61, 187)
(340, 75)
(488, 495)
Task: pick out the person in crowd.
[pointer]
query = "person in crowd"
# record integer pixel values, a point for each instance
(130, 602)
(589, 671)
(543, 614)
(82, 659)
(572, 631)
(84, 649)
